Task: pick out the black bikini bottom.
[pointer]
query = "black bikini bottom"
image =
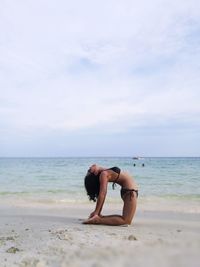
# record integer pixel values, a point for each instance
(125, 191)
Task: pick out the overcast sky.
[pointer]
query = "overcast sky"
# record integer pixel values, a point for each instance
(99, 78)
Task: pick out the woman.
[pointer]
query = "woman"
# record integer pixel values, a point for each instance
(96, 182)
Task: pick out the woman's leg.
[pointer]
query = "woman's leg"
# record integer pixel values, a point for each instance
(130, 204)
(127, 214)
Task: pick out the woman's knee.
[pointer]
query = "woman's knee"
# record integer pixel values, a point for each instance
(127, 220)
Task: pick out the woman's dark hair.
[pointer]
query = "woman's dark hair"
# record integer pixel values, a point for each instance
(92, 185)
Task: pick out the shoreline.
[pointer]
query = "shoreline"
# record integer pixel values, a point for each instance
(52, 236)
(150, 203)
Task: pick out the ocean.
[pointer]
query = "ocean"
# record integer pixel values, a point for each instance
(61, 180)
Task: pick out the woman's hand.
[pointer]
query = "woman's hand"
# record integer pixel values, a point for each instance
(94, 220)
(93, 214)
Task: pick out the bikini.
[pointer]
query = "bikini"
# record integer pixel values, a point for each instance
(123, 191)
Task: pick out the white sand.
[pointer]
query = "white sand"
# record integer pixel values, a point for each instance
(55, 237)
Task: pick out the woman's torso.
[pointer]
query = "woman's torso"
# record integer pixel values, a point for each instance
(124, 179)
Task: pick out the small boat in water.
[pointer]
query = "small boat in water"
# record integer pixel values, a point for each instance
(136, 158)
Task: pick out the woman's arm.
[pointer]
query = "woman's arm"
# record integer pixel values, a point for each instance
(103, 179)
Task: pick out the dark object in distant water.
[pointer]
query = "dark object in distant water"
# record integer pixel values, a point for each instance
(134, 164)
(143, 165)
(136, 158)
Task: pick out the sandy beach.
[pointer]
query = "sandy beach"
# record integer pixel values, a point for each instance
(55, 236)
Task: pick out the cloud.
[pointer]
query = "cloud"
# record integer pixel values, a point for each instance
(88, 66)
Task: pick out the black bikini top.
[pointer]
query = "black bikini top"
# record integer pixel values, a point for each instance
(117, 170)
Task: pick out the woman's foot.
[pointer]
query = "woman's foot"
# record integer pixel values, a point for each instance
(94, 220)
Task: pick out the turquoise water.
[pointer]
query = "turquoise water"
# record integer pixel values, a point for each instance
(59, 180)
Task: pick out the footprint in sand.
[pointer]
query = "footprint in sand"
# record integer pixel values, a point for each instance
(113, 234)
(12, 250)
(62, 234)
(132, 238)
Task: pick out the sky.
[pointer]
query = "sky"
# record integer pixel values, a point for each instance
(99, 78)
